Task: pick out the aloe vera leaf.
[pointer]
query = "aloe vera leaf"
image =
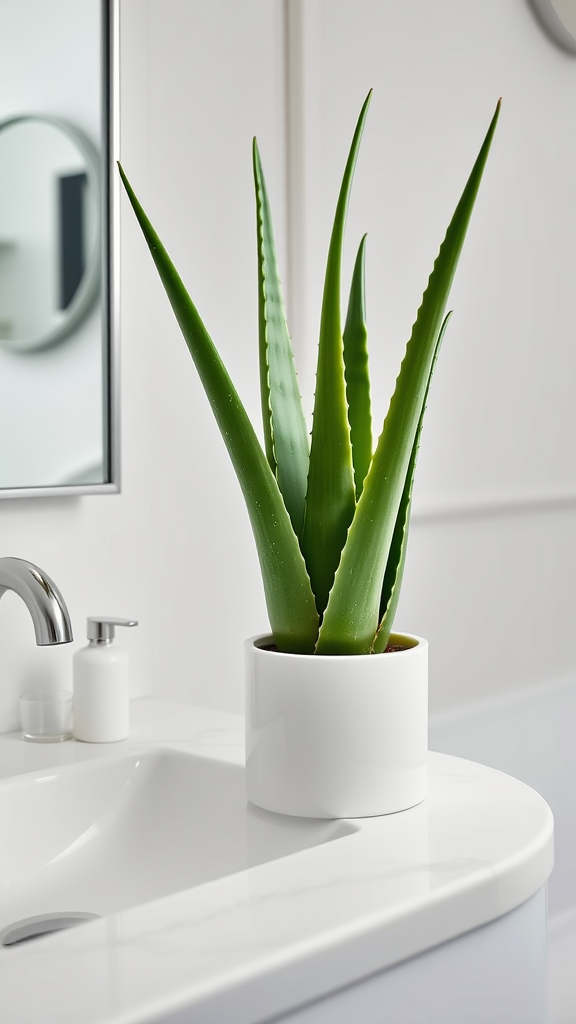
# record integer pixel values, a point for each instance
(330, 496)
(284, 424)
(289, 598)
(351, 618)
(397, 557)
(356, 373)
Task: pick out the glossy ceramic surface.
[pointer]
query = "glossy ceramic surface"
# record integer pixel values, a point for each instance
(252, 945)
(118, 832)
(337, 737)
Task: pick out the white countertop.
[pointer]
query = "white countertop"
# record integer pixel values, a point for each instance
(264, 940)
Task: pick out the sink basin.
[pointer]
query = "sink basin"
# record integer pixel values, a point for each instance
(102, 836)
(218, 911)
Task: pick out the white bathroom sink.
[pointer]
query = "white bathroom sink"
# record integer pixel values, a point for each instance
(216, 911)
(102, 836)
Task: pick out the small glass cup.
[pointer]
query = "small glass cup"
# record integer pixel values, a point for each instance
(46, 716)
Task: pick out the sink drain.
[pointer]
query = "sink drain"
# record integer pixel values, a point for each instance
(34, 927)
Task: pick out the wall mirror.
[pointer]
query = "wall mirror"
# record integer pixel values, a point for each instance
(559, 19)
(58, 337)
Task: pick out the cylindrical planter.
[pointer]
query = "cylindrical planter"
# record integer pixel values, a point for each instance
(336, 736)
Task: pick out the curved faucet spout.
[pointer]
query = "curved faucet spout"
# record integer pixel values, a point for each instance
(42, 598)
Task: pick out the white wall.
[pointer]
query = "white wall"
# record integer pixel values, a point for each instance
(491, 558)
(161, 551)
(492, 554)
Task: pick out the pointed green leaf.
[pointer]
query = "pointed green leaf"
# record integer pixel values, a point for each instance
(356, 373)
(284, 424)
(289, 598)
(330, 498)
(397, 557)
(351, 617)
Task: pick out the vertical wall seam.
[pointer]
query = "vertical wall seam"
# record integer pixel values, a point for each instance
(295, 278)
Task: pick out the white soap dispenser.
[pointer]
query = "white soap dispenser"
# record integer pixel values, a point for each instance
(101, 684)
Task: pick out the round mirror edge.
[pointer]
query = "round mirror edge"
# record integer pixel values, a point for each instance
(89, 286)
(550, 21)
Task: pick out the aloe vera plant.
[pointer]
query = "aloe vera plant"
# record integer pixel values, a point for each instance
(330, 517)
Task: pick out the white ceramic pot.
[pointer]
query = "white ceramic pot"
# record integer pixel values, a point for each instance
(337, 736)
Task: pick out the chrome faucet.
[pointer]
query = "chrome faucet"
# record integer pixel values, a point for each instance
(42, 598)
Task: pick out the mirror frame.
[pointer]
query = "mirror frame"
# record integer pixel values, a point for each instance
(108, 271)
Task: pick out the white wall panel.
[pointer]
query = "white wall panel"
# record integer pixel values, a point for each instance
(495, 596)
(502, 418)
(492, 548)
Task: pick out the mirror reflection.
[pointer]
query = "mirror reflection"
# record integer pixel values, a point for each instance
(56, 435)
(49, 231)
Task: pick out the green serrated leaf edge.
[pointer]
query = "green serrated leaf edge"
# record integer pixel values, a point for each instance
(397, 558)
(350, 620)
(356, 372)
(285, 428)
(289, 598)
(330, 496)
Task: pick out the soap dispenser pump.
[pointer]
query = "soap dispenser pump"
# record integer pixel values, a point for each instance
(101, 684)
